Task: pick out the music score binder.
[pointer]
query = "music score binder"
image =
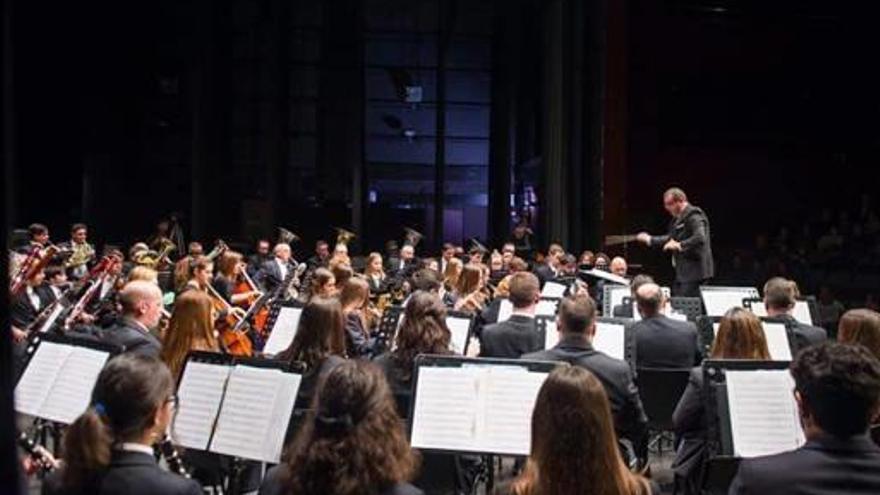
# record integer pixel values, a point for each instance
(474, 405)
(718, 300)
(59, 376)
(235, 406)
(283, 322)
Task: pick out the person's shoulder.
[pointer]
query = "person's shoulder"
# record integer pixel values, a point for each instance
(272, 482)
(546, 355)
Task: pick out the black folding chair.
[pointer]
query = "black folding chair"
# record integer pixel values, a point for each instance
(660, 390)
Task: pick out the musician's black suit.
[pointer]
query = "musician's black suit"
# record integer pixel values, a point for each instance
(129, 473)
(662, 342)
(693, 264)
(616, 376)
(22, 312)
(270, 276)
(825, 465)
(511, 339)
(545, 272)
(133, 338)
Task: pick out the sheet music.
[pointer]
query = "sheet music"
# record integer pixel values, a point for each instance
(459, 328)
(505, 309)
(715, 326)
(283, 331)
(554, 290)
(551, 334)
(72, 390)
(801, 312)
(677, 316)
(546, 307)
(610, 339)
(758, 309)
(777, 341)
(608, 276)
(719, 301)
(252, 413)
(763, 413)
(37, 379)
(200, 394)
(480, 408)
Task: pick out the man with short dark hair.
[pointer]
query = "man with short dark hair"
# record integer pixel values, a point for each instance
(780, 297)
(576, 324)
(551, 267)
(82, 255)
(321, 256)
(39, 235)
(689, 241)
(518, 335)
(662, 342)
(446, 255)
(837, 390)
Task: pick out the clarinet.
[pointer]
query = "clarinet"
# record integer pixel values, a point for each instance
(43, 459)
(172, 458)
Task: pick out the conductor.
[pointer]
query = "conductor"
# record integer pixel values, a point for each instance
(689, 241)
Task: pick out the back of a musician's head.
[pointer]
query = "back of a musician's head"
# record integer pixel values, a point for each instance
(191, 322)
(740, 336)
(838, 386)
(125, 399)
(354, 292)
(353, 441)
(574, 444)
(638, 281)
(780, 294)
(426, 280)
(319, 333)
(649, 299)
(577, 314)
(422, 331)
(860, 326)
(136, 294)
(524, 289)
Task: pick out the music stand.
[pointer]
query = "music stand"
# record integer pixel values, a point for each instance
(282, 323)
(722, 462)
(718, 300)
(461, 326)
(451, 404)
(806, 309)
(692, 307)
(388, 325)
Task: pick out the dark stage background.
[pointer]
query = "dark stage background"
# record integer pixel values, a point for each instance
(246, 114)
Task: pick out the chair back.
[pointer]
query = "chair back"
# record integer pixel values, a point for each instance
(660, 390)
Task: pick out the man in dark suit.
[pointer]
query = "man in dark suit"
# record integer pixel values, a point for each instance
(27, 305)
(141, 309)
(689, 241)
(402, 264)
(837, 389)
(576, 323)
(519, 334)
(626, 310)
(321, 257)
(276, 270)
(780, 297)
(662, 342)
(550, 269)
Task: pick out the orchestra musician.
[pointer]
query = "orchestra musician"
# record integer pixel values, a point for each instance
(354, 297)
(275, 271)
(323, 284)
(550, 269)
(452, 273)
(182, 267)
(469, 295)
(82, 253)
(191, 329)
(521, 237)
(27, 304)
(109, 448)
(447, 254)
(260, 256)
(374, 273)
(56, 281)
(321, 256)
(689, 240)
(403, 262)
(141, 311)
(39, 237)
(230, 274)
(201, 275)
(518, 335)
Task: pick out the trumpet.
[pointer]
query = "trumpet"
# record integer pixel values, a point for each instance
(412, 236)
(344, 236)
(286, 236)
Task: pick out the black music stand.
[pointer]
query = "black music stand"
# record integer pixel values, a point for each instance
(277, 307)
(722, 463)
(388, 327)
(692, 307)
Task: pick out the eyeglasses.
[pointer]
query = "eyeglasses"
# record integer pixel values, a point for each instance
(173, 400)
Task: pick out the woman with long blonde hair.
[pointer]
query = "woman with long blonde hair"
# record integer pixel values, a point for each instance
(574, 446)
(191, 329)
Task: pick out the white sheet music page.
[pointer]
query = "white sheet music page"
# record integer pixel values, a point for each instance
(551, 334)
(459, 328)
(505, 309)
(511, 392)
(777, 341)
(801, 312)
(283, 331)
(200, 394)
(758, 309)
(72, 390)
(546, 307)
(36, 382)
(445, 408)
(719, 301)
(617, 294)
(288, 387)
(763, 414)
(553, 289)
(246, 413)
(610, 339)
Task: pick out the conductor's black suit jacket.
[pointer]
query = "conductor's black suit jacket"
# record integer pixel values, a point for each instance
(694, 262)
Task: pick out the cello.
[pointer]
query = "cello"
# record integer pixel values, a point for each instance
(246, 285)
(231, 325)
